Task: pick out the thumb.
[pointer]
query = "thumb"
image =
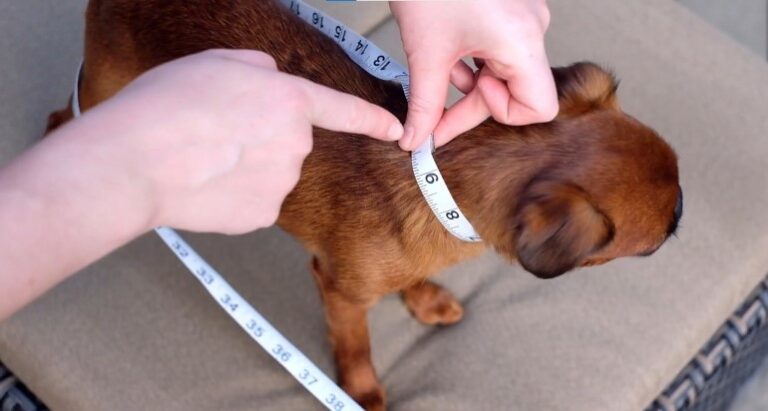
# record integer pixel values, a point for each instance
(429, 89)
(520, 94)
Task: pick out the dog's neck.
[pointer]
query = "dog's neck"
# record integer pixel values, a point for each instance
(486, 169)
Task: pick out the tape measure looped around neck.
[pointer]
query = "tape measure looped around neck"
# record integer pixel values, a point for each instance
(380, 65)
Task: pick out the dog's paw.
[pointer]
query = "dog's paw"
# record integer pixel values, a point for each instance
(362, 385)
(372, 400)
(432, 304)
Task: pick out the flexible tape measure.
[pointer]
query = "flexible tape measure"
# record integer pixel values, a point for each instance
(258, 328)
(380, 65)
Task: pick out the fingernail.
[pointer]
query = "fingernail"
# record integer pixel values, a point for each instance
(395, 131)
(407, 137)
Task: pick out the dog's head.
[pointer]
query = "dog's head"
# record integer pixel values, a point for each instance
(609, 187)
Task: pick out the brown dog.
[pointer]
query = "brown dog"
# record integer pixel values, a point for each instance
(591, 186)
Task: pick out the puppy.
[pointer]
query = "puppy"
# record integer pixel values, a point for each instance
(592, 185)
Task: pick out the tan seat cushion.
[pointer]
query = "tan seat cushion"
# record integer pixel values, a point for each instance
(135, 331)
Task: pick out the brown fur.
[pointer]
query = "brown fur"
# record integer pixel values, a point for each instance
(593, 185)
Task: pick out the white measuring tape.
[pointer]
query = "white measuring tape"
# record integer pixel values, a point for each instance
(370, 57)
(258, 328)
(379, 64)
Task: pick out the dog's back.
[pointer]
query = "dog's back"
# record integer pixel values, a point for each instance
(152, 32)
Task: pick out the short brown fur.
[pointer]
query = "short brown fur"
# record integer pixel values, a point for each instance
(593, 185)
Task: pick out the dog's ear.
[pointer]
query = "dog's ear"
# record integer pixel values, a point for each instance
(556, 227)
(583, 87)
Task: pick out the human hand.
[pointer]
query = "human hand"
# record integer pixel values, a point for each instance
(514, 85)
(218, 138)
(210, 142)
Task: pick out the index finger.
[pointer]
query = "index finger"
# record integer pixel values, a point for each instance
(333, 110)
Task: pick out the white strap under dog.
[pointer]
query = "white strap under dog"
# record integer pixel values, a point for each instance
(380, 65)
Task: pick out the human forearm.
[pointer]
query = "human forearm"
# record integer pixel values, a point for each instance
(63, 204)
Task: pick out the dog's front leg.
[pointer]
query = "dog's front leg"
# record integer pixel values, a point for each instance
(431, 304)
(348, 330)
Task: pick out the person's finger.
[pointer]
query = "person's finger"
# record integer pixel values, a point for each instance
(466, 114)
(253, 57)
(429, 89)
(337, 111)
(527, 96)
(497, 98)
(462, 77)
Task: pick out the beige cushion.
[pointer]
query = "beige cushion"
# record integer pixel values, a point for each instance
(135, 331)
(745, 20)
(41, 45)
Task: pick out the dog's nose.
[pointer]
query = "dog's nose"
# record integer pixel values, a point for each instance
(678, 213)
(679, 206)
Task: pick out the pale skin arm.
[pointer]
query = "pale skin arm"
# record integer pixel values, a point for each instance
(515, 86)
(212, 142)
